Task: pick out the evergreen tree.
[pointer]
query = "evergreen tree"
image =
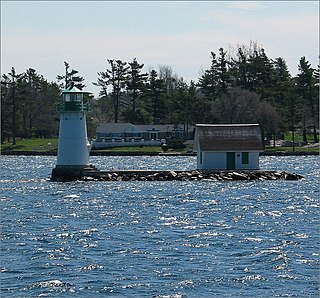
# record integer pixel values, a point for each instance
(6, 126)
(183, 100)
(10, 81)
(46, 116)
(136, 82)
(281, 89)
(116, 78)
(293, 111)
(154, 94)
(209, 81)
(260, 73)
(28, 105)
(177, 103)
(309, 92)
(222, 73)
(239, 70)
(70, 78)
(32, 86)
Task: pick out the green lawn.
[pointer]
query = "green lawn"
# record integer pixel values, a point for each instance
(298, 137)
(290, 149)
(132, 149)
(31, 145)
(42, 145)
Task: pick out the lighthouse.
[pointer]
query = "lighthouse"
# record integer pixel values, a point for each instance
(73, 144)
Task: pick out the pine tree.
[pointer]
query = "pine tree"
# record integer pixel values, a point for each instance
(309, 92)
(154, 94)
(136, 82)
(222, 73)
(116, 78)
(5, 108)
(208, 82)
(70, 78)
(281, 89)
(11, 82)
(260, 73)
(31, 89)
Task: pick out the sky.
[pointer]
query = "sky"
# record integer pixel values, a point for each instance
(179, 34)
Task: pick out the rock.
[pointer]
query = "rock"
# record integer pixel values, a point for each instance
(277, 175)
(171, 175)
(189, 175)
(226, 176)
(239, 176)
(87, 178)
(107, 177)
(195, 173)
(125, 177)
(152, 177)
(292, 176)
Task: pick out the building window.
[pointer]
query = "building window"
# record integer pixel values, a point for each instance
(66, 97)
(245, 158)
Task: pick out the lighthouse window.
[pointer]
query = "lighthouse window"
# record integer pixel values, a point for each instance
(73, 97)
(66, 97)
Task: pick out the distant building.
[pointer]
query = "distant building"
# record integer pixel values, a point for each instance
(110, 135)
(228, 146)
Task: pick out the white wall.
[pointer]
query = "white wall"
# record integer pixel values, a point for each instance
(253, 161)
(73, 145)
(212, 160)
(218, 161)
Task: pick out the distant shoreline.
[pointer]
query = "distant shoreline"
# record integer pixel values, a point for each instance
(103, 153)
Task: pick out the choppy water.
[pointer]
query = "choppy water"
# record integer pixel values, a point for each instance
(158, 239)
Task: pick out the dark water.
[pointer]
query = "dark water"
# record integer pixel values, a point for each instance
(158, 239)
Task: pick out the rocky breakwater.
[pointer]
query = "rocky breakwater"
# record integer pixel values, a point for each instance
(195, 175)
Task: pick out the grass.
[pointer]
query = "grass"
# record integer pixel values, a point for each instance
(31, 145)
(298, 137)
(290, 149)
(41, 145)
(144, 149)
(132, 149)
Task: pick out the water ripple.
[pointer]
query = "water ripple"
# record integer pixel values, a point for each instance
(161, 239)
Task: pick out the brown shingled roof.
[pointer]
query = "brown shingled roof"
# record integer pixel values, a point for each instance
(231, 137)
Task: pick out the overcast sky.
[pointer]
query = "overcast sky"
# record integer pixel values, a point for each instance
(180, 34)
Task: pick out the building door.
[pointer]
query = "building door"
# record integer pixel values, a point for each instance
(231, 160)
(153, 136)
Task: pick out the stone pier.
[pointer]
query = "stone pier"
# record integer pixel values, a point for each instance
(193, 175)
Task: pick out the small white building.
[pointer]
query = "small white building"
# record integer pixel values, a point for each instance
(228, 146)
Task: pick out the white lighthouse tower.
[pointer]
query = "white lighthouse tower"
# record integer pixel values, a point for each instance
(73, 144)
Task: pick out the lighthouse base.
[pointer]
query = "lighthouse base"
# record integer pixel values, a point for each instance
(70, 173)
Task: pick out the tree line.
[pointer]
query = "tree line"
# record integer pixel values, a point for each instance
(244, 87)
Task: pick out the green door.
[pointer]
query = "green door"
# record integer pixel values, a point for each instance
(231, 160)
